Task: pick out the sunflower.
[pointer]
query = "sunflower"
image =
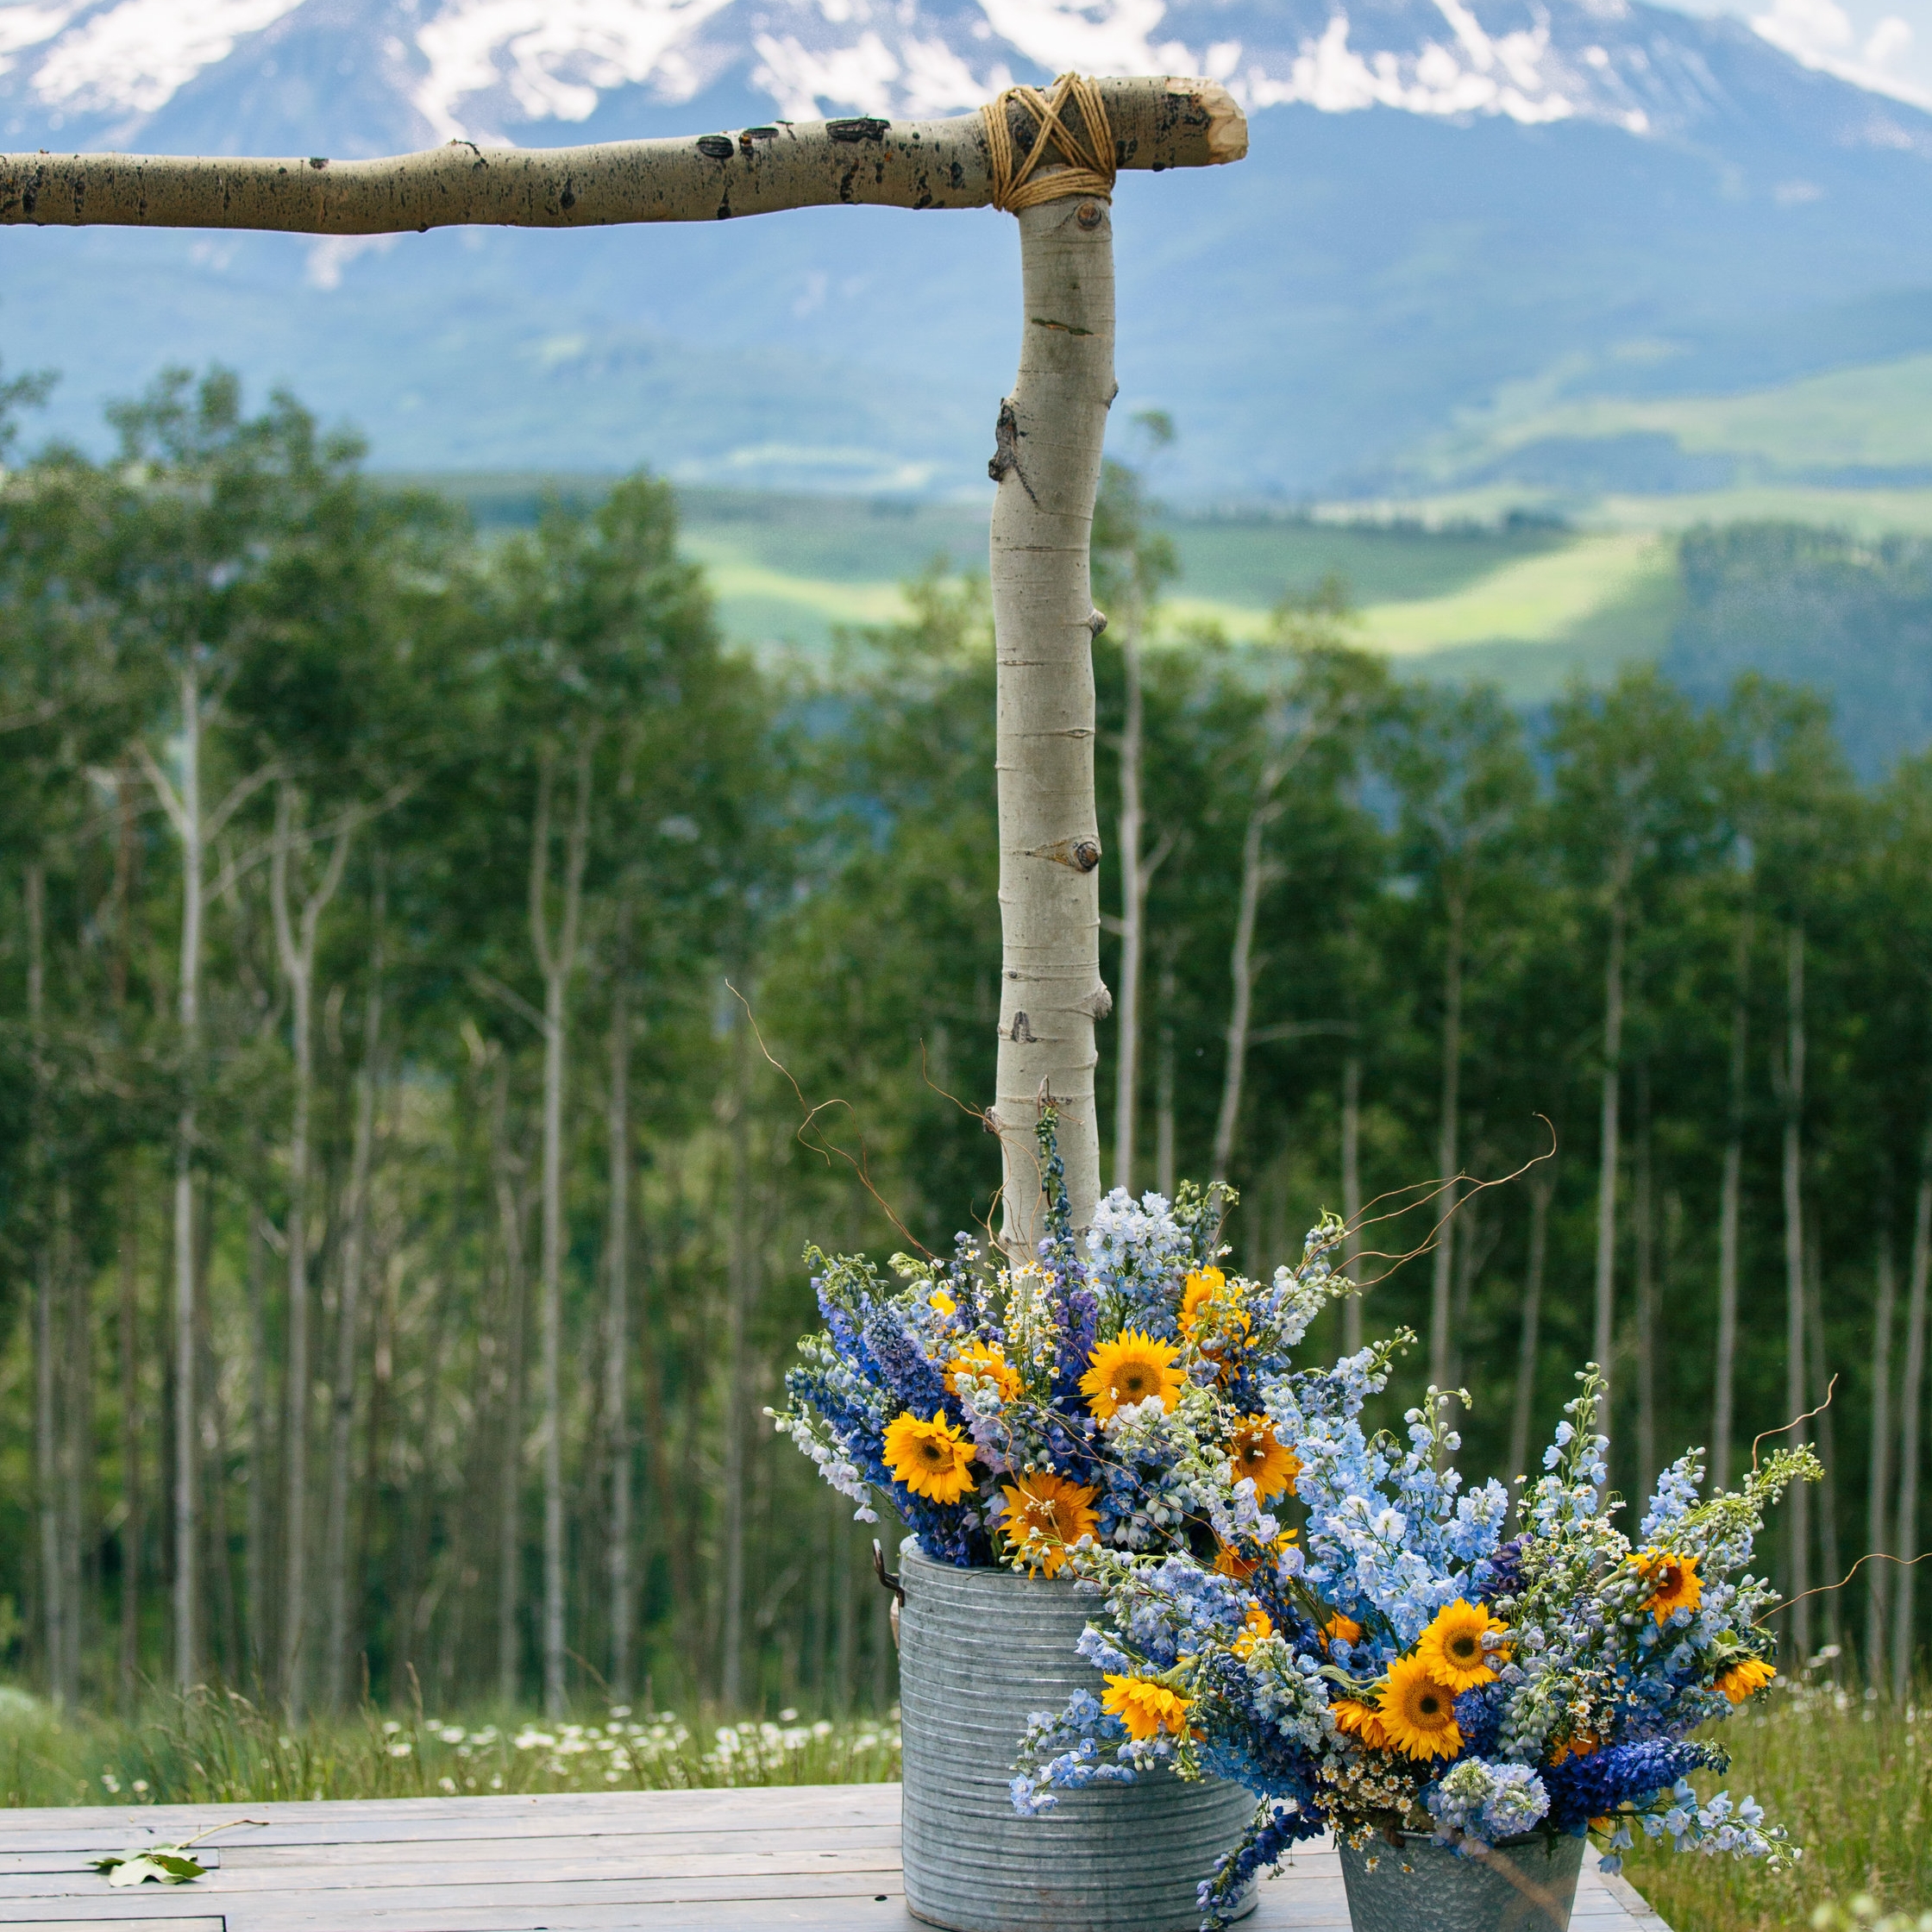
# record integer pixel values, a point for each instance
(985, 1362)
(941, 1302)
(1254, 1451)
(930, 1458)
(1580, 1744)
(1211, 1316)
(1452, 1646)
(1229, 1561)
(1259, 1629)
(1339, 1629)
(1046, 1515)
(1675, 1584)
(1362, 1721)
(1419, 1711)
(1129, 1370)
(1146, 1709)
(1745, 1678)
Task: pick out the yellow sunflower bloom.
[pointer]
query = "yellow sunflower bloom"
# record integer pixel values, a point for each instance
(1452, 1646)
(930, 1459)
(1339, 1629)
(1146, 1709)
(1579, 1746)
(1254, 1450)
(1675, 1584)
(1212, 1317)
(1419, 1711)
(1361, 1720)
(942, 1302)
(1128, 1370)
(1745, 1678)
(1259, 1627)
(986, 1362)
(1045, 1516)
(1229, 1561)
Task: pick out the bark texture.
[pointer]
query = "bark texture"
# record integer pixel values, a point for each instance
(1156, 123)
(1048, 466)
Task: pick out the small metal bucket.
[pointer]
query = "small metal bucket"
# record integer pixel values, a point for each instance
(1524, 1885)
(981, 1651)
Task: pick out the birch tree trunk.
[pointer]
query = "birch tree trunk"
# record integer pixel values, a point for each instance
(348, 1322)
(1164, 1088)
(1047, 464)
(1352, 1195)
(1878, 1481)
(1911, 1395)
(1725, 1375)
(295, 946)
(617, 1341)
(557, 959)
(1830, 1550)
(74, 1300)
(1604, 1330)
(256, 1558)
(1137, 875)
(1448, 1141)
(1798, 1516)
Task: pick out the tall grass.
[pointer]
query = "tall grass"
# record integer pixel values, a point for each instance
(1850, 1774)
(217, 1747)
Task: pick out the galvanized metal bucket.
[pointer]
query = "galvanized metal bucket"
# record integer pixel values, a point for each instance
(981, 1651)
(1524, 1885)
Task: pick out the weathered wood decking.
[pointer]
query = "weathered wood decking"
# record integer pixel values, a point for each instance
(823, 1856)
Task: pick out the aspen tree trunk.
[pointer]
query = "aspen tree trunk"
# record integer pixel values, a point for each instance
(1241, 969)
(509, 1229)
(1830, 1550)
(295, 946)
(1911, 1393)
(1643, 1216)
(350, 1315)
(1048, 466)
(1797, 1517)
(742, 1288)
(75, 1301)
(556, 958)
(189, 825)
(1448, 1152)
(1877, 1482)
(255, 1559)
(617, 1341)
(127, 1231)
(46, 1375)
(1542, 1188)
(1726, 1369)
(1351, 1197)
(1163, 1088)
(1604, 1330)
(1134, 902)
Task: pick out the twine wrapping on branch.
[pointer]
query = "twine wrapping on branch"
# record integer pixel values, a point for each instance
(1088, 168)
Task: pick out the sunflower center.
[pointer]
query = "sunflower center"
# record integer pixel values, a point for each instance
(1134, 1380)
(933, 1454)
(1463, 1647)
(1429, 1705)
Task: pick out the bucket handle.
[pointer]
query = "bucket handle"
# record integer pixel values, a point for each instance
(888, 1579)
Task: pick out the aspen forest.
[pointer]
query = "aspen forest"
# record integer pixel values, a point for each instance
(443, 988)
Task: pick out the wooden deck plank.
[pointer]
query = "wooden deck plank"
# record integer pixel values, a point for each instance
(816, 1858)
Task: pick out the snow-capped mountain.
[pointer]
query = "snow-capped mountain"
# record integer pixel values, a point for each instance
(1444, 197)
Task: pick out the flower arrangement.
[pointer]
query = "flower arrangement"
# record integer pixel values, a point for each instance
(1121, 1393)
(1402, 1668)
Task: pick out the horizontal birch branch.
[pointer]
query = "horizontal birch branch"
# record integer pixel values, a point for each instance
(1156, 123)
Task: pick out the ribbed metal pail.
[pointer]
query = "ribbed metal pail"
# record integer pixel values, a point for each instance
(1525, 1884)
(980, 1651)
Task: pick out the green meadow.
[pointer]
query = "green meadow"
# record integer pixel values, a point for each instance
(1488, 583)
